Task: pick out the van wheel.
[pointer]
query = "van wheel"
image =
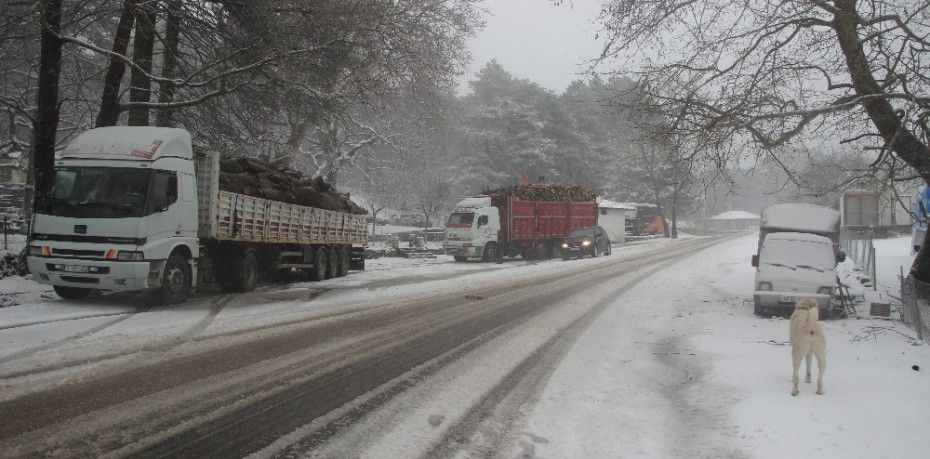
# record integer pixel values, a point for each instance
(757, 308)
(175, 280)
(73, 293)
(343, 262)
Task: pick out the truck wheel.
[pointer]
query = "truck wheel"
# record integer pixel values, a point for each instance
(566, 256)
(459, 259)
(332, 268)
(343, 262)
(175, 280)
(248, 271)
(320, 262)
(73, 293)
(490, 252)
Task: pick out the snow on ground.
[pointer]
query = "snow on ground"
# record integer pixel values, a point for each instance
(43, 330)
(680, 367)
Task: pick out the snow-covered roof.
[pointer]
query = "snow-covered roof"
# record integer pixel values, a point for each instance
(130, 143)
(801, 217)
(735, 215)
(608, 204)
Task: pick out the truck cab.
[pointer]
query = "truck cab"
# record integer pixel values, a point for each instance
(471, 230)
(119, 214)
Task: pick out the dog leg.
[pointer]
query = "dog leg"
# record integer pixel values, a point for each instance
(796, 362)
(821, 367)
(807, 357)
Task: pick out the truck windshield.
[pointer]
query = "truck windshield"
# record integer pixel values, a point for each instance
(461, 219)
(96, 192)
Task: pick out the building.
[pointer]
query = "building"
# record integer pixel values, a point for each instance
(734, 220)
(612, 217)
(865, 206)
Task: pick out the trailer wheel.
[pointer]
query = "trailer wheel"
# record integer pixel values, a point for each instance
(343, 262)
(175, 280)
(248, 271)
(459, 259)
(332, 268)
(73, 293)
(320, 262)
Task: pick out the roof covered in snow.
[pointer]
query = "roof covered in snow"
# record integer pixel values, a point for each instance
(608, 204)
(735, 215)
(801, 217)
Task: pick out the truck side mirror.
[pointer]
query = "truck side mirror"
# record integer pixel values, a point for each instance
(840, 256)
(755, 261)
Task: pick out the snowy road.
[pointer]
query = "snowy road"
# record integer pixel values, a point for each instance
(651, 352)
(255, 368)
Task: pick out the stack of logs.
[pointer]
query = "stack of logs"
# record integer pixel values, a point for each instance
(545, 192)
(253, 177)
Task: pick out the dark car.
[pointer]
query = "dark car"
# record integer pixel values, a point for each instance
(586, 241)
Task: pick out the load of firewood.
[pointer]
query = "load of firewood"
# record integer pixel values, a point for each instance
(545, 192)
(253, 177)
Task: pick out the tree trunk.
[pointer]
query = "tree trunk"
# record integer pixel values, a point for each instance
(897, 137)
(374, 221)
(169, 62)
(140, 85)
(46, 121)
(109, 101)
(674, 232)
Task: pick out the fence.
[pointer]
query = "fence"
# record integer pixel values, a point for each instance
(858, 247)
(915, 305)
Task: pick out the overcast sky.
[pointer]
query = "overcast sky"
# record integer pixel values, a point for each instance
(536, 40)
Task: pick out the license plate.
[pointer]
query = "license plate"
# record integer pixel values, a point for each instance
(74, 269)
(786, 299)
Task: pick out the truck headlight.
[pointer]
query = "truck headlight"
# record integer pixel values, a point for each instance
(564, 245)
(825, 291)
(763, 285)
(124, 255)
(35, 251)
(585, 243)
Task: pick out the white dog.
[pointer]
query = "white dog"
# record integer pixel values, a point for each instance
(806, 339)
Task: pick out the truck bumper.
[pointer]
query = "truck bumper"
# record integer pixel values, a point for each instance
(461, 250)
(109, 275)
(787, 300)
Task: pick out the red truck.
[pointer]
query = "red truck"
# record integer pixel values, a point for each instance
(531, 228)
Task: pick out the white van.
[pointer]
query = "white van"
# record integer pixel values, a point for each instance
(791, 266)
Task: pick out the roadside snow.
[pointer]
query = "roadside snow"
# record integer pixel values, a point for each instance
(680, 367)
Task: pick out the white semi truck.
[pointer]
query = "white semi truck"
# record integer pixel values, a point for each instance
(134, 208)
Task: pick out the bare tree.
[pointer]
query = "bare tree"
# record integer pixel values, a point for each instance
(773, 72)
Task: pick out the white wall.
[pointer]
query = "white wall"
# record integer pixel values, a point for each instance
(614, 222)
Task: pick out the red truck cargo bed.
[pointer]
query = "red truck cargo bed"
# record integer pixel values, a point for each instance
(523, 221)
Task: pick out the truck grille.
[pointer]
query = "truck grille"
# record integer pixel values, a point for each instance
(78, 253)
(81, 280)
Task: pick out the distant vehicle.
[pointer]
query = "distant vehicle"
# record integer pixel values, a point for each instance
(791, 266)
(921, 205)
(645, 221)
(591, 241)
(528, 228)
(133, 208)
(801, 218)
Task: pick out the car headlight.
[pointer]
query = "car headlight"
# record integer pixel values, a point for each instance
(124, 255)
(825, 290)
(763, 285)
(564, 245)
(586, 243)
(35, 251)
